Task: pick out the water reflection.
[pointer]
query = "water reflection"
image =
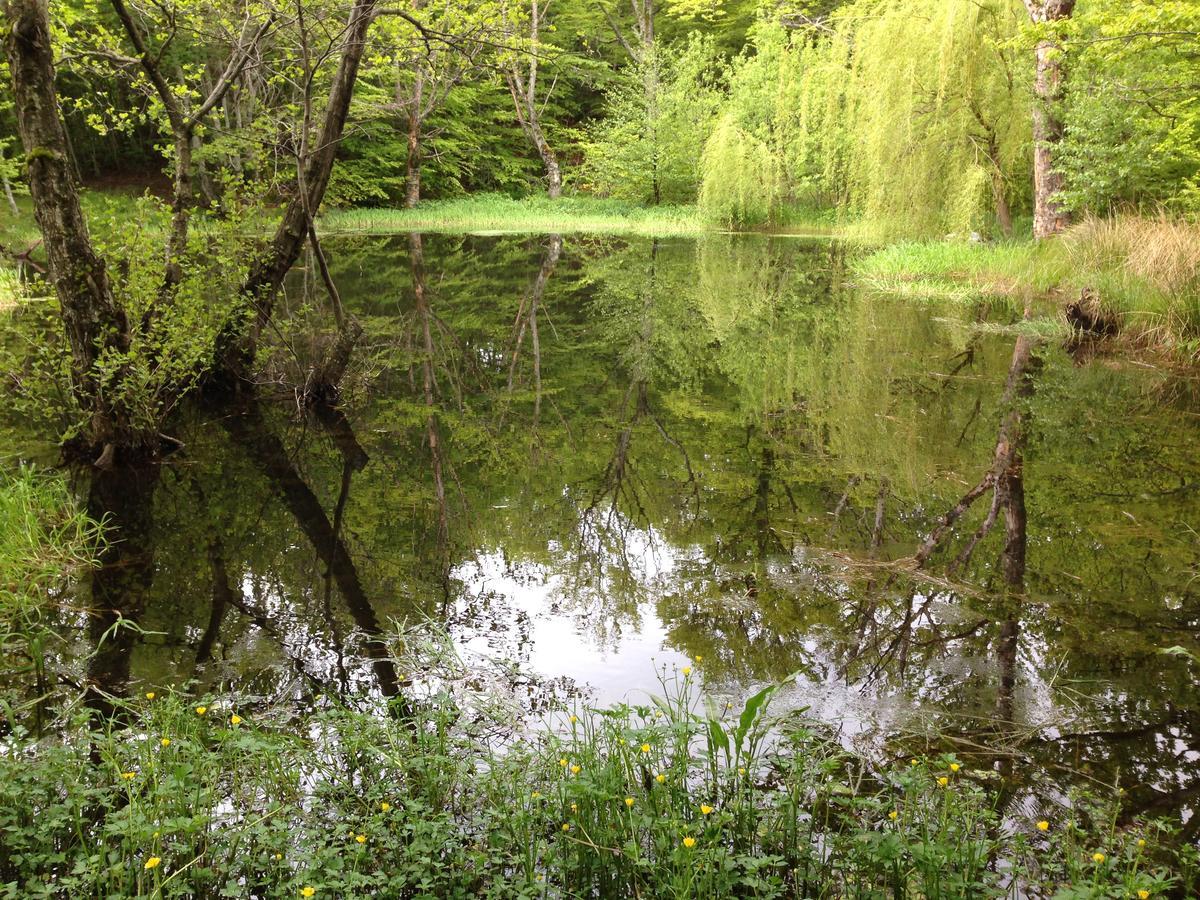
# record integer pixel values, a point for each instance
(591, 456)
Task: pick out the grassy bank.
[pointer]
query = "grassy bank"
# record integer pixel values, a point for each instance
(1140, 275)
(532, 214)
(450, 794)
(539, 214)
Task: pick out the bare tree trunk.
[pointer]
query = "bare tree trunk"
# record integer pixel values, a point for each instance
(525, 100)
(412, 163)
(1049, 216)
(93, 320)
(237, 348)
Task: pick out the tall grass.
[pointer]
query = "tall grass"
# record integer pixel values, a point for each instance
(1146, 272)
(1143, 271)
(44, 540)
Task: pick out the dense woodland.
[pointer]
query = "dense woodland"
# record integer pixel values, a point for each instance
(850, 344)
(912, 117)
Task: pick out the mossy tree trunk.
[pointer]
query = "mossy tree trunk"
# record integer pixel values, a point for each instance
(1049, 215)
(93, 320)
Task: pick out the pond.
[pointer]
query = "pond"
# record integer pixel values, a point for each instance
(589, 458)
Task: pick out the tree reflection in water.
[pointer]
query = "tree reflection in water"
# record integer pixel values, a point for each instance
(581, 448)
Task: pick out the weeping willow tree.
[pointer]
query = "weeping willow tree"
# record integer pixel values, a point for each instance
(939, 112)
(912, 116)
(740, 186)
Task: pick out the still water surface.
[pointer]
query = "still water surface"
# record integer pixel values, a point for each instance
(593, 457)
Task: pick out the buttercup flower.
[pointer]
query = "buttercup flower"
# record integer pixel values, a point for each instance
(563, 762)
(235, 720)
(566, 826)
(689, 842)
(687, 670)
(574, 770)
(166, 742)
(645, 748)
(1141, 842)
(149, 695)
(1098, 857)
(893, 815)
(152, 862)
(705, 809)
(574, 719)
(360, 838)
(913, 761)
(278, 857)
(741, 770)
(128, 775)
(954, 767)
(660, 778)
(943, 781)
(1043, 825)
(536, 794)
(574, 807)
(385, 806)
(201, 710)
(699, 658)
(629, 801)
(307, 891)
(1143, 895)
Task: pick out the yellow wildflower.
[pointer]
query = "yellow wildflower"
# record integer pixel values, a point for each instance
(360, 838)
(954, 767)
(575, 770)
(893, 815)
(385, 806)
(943, 781)
(152, 862)
(536, 794)
(687, 670)
(689, 842)
(741, 770)
(307, 891)
(278, 857)
(149, 695)
(201, 710)
(235, 720)
(128, 775)
(574, 807)
(1043, 825)
(660, 778)
(1098, 857)
(566, 826)
(166, 742)
(1143, 895)
(563, 762)
(705, 809)
(645, 748)
(574, 720)
(699, 658)
(1141, 842)
(629, 801)
(913, 761)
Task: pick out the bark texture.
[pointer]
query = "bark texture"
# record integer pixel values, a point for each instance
(1049, 216)
(92, 319)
